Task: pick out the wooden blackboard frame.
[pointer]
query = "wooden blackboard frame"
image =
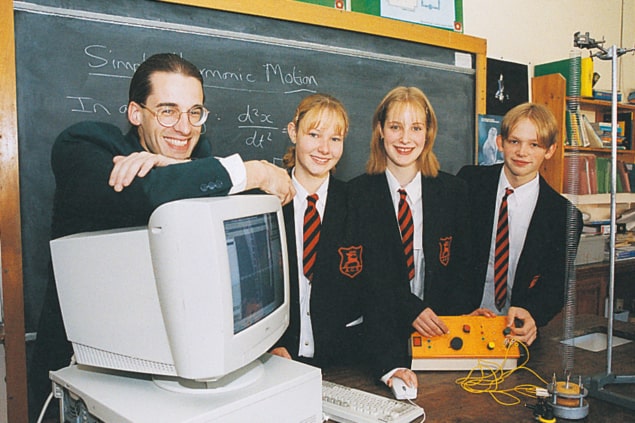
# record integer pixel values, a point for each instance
(10, 236)
(12, 333)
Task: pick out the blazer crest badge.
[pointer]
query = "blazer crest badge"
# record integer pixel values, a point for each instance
(350, 260)
(445, 250)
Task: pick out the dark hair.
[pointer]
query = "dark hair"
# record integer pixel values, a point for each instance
(141, 86)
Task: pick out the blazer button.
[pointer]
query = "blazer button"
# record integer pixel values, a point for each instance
(210, 186)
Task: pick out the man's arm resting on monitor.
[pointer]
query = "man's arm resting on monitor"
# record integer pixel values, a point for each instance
(245, 176)
(137, 164)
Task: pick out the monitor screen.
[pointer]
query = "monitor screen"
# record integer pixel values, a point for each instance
(199, 293)
(253, 248)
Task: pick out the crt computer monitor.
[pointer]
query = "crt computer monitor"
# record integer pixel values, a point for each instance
(197, 295)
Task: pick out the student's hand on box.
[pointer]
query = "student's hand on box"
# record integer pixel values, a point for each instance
(428, 324)
(522, 324)
(483, 312)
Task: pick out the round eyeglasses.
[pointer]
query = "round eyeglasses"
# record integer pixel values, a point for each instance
(169, 116)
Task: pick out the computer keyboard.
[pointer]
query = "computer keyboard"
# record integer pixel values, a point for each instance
(348, 405)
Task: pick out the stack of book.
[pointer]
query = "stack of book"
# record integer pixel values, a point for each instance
(583, 133)
(624, 247)
(625, 238)
(624, 127)
(602, 227)
(604, 129)
(623, 253)
(606, 95)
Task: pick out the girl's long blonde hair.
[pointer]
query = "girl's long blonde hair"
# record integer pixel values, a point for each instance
(401, 97)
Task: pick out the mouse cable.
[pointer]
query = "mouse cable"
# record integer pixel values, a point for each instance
(423, 417)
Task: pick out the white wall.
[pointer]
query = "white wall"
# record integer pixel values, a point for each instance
(538, 31)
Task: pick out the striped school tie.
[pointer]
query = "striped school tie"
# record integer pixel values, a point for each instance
(501, 257)
(406, 227)
(311, 235)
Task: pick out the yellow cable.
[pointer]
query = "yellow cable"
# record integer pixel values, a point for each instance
(492, 376)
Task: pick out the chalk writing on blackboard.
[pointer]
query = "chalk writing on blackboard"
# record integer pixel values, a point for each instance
(87, 105)
(262, 125)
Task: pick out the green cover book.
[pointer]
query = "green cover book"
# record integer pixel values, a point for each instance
(603, 174)
(563, 67)
(603, 171)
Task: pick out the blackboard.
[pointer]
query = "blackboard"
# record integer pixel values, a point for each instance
(75, 59)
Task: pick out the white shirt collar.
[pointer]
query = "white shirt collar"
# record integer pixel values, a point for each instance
(413, 188)
(299, 201)
(528, 189)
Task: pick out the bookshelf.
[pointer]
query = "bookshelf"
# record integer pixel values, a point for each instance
(592, 279)
(550, 90)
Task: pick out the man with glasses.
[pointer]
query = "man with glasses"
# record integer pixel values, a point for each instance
(106, 180)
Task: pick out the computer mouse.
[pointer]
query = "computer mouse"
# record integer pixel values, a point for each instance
(401, 390)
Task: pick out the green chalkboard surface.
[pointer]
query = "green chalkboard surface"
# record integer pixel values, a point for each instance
(75, 60)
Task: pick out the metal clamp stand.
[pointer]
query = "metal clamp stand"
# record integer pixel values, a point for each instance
(596, 383)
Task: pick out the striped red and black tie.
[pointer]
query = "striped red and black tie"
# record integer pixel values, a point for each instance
(501, 258)
(406, 227)
(311, 235)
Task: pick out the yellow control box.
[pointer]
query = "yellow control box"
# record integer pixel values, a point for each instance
(471, 339)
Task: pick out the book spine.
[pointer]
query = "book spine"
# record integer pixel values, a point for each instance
(586, 77)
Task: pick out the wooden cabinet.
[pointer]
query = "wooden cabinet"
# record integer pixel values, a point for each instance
(591, 288)
(550, 90)
(592, 282)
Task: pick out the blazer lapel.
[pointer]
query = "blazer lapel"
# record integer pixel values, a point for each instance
(537, 235)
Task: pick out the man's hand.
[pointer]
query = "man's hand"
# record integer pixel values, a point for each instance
(270, 179)
(525, 332)
(281, 352)
(428, 324)
(138, 164)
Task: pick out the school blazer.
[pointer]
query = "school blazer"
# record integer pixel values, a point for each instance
(334, 290)
(390, 307)
(542, 267)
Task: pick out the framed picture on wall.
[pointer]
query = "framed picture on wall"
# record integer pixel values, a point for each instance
(507, 86)
(489, 127)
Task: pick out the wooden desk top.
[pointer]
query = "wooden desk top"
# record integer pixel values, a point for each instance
(627, 265)
(445, 401)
